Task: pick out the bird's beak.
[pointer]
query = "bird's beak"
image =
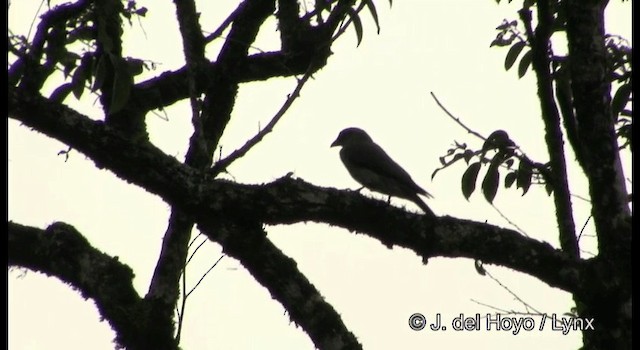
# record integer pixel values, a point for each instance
(335, 143)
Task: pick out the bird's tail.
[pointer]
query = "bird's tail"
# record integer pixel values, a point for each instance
(425, 208)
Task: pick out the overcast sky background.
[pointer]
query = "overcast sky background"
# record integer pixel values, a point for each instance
(383, 87)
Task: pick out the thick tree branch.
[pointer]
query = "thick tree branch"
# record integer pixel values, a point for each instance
(171, 87)
(288, 201)
(223, 85)
(62, 252)
(540, 46)
(165, 282)
(248, 242)
(596, 127)
(591, 88)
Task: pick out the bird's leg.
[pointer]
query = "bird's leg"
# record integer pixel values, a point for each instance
(389, 200)
(359, 189)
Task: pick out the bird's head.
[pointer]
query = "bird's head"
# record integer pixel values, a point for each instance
(350, 136)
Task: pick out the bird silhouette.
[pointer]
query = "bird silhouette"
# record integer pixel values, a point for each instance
(370, 166)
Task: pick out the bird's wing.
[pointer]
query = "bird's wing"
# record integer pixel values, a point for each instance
(372, 157)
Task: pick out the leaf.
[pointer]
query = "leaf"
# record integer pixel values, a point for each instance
(101, 73)
(135, 66)
(77, 81)
(445, 164)
(504, 25)
(68, 61)
(524, 177)
(549, 188)
(122, 83)
(435, 172)
(61, 92)
(468, 154)
(498, 139)
(141, 11)
(510, 178)
(509, 163)
(513, 53)
(524, 64)
(620, 99)
(357, 23)
(456, 158)
(469, 179)
(490, 183)
(374, 13)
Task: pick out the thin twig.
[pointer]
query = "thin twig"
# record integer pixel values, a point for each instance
(183, 305)
(506, 312)
(588, 252)
(203, 276)
(526, 305)
(222, 164)
(581, 197)
(509, 221)
(583, 227)
(194, 252)
(33, 20)
(223, 26)
(457, 120)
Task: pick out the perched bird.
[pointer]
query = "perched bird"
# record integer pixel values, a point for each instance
(370, 165)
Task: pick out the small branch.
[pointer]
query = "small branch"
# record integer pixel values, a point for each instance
(540, 40)
(526, 305)
(203, 276)
(583, 227)
(222, 164)
(194, 252)
(225, 24)
(522, 156)
(183, 304)
(509, 221)
(456, 119)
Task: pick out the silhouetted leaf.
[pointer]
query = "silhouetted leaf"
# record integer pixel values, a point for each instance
(490, 183)
(469, 179)
(68, 61)
(61, 92)
(101, 73)
(135, 66)
(524, 64)
(509, 163)
(374, 13)
(620, 99)
(122, 83)
(77, 81)
(357, 23)
(549, 188)
(497, 140)
(468, 154)
(509, 179)
(513, 53)
(524, 177)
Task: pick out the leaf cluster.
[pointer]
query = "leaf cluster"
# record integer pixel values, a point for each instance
(498, 153)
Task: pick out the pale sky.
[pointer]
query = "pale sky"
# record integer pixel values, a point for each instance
(383, 87)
